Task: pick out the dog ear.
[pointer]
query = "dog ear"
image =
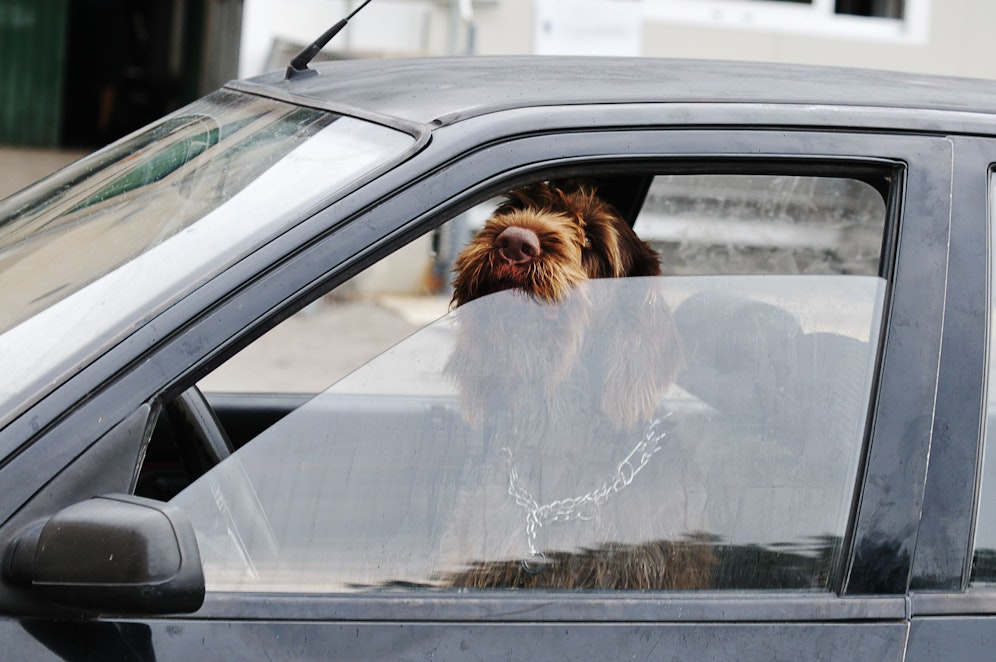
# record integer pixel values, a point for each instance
(642, 360)
(613, 249)
(643, 259)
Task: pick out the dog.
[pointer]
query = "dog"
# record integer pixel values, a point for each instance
(542, 242)
(564, 377)
(544, 239)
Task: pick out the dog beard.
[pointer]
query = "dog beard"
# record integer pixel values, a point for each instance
(481, 269)
(606, 350)
(514, 352)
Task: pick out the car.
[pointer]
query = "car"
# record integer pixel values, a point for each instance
(241, 413)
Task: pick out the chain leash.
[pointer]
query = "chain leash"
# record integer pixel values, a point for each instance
(580, 507)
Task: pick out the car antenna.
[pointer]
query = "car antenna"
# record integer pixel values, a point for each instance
(299, 65)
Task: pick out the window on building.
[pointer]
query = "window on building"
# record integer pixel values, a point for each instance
(879, 8)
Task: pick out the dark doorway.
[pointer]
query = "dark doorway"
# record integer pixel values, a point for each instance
(880, 8)
(129, 62)
(118, 73)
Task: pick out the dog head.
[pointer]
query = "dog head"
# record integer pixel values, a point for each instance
(543, 239)
(518, 352)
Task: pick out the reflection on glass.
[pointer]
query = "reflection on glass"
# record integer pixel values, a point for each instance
(771, 224)
(140, 193)
(646, 433)
(105, 245)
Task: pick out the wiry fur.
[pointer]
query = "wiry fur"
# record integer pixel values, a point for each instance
(565, 390)
(662, 564)
(526, 356)
(580, 236)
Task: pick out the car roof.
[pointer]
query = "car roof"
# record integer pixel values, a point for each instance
(445, 90)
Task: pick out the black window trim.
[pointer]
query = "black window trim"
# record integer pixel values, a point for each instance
(945, 549)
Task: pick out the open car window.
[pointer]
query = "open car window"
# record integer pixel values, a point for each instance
(643, 433)
(701, 224)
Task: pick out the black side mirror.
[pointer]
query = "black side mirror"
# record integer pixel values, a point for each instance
(117, 554)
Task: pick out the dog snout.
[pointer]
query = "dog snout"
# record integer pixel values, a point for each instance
(518, 245)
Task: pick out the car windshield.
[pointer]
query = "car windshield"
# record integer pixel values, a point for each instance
(93, 251)
(680, 432)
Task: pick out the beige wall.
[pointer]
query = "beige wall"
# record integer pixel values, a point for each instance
(958, 40)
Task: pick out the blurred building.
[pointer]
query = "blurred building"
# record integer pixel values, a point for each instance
(928, 36)
(79, 73)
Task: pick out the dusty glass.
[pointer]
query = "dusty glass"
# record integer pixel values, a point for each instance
(645, 433)
(109, 242)
(764, 224)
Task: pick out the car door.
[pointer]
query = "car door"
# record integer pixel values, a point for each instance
(860, 605)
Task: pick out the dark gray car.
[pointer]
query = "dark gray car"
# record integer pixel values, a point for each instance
(811, 483)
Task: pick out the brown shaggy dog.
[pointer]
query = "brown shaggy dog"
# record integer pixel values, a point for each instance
(544, 239)
(565, 380)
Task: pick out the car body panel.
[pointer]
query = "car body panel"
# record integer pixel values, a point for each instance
(404, 641)
(949, 503)
(446, 90)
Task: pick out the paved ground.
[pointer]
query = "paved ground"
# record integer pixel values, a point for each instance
(307, 352)
(326, 341)
(21, 166)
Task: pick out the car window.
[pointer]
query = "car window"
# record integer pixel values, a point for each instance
(754, 224)
(97, 248)
(503, 446)
(677, 430)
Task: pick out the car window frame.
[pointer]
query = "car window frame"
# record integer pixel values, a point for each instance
(920, 161)
(949, 617)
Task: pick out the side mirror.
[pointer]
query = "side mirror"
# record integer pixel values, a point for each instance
(112, 554)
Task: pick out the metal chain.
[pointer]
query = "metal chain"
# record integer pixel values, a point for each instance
(580, 507)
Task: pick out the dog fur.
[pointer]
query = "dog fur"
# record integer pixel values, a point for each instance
(564, 378)
(561, 237)
(661, 564)
(577, 237)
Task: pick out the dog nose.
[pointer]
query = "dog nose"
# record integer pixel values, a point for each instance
(518, 245)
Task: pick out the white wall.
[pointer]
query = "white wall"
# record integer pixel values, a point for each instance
(384, 27)
(955, 40)
(942, 36)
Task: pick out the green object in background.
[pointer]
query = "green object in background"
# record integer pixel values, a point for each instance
(32, 50)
